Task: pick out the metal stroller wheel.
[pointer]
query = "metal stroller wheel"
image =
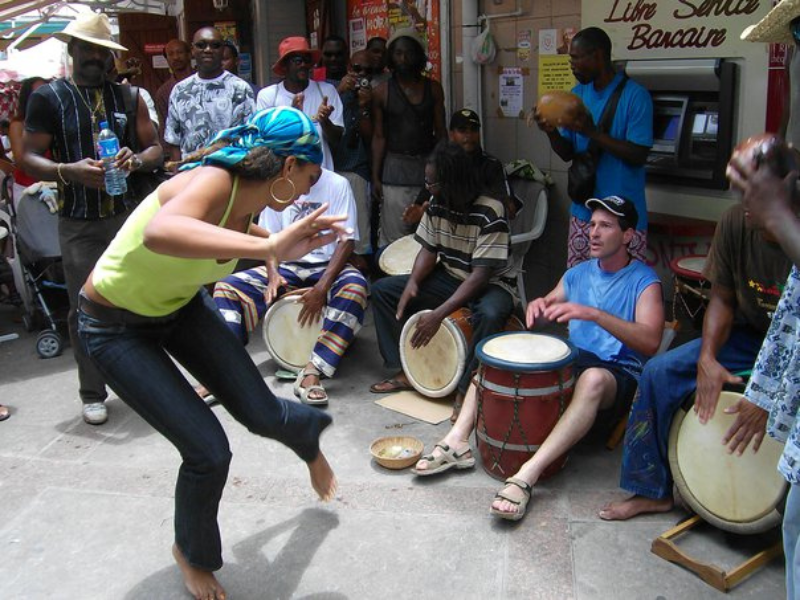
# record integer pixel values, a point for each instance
(48, 344)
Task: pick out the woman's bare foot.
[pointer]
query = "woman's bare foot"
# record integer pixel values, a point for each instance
(635, 505)
(201, 584)
(322, 478)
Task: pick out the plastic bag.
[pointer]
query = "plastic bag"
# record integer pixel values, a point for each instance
(484, 49)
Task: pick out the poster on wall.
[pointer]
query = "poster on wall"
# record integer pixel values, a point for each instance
(555, 74)
(674, 28)
(511, 96)
(357, 33)
(383, 18)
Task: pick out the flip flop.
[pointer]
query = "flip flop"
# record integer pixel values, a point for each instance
(520, 504)
(450, 459)
(396, 386)
(4, 412)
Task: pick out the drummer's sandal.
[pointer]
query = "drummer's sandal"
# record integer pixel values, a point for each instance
(520, 504)
(391, 385)
(448, 459)
(304, 392)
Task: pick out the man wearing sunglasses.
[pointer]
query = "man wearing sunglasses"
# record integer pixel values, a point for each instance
(351, 154)
(317, 99)
(207, 102)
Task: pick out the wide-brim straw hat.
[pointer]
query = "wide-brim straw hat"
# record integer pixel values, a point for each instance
(775, 27)
(94, 28)
(409, 32)
(293, 45)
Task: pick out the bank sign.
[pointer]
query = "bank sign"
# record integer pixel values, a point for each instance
(675, 28)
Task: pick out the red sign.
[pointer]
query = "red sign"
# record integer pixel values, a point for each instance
(154, 48)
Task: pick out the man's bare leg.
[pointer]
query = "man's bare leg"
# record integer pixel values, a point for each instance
(596, 388)
(201, 584)
(322, 478)
(458, 436)
(635, 505)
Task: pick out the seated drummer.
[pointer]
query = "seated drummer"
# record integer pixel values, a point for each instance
(615, 312)
(469, 233)
(465, 130)
(747, 270)
(335, 290)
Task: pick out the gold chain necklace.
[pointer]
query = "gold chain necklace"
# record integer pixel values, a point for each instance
(92, 111)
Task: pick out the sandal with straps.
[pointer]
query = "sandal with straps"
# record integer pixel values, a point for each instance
(520, 504)
(449, 459)
(303, 392)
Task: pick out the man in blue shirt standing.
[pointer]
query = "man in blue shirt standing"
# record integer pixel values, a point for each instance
(622, 149)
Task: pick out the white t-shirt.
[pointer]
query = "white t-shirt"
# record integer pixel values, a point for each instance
(278, 95)
(331, 188)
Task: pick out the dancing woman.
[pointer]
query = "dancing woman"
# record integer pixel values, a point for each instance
(144, 305)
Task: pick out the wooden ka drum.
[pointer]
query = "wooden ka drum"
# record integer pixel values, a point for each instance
(740, 494)
(524, 385)
(691, 291)
(434, 370)
(288, 343)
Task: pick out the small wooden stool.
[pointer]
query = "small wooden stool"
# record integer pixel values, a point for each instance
(713, 575)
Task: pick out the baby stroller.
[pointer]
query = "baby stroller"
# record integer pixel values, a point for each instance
(34, 257)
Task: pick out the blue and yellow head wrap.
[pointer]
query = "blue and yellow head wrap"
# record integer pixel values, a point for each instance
(284, 130)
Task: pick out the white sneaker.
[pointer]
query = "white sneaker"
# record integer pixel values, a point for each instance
(95, 413)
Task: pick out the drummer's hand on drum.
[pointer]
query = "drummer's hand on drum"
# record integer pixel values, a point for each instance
(313, 300)
(564, 312)
(408, 295)
(535, 311)
(427, 326)
(750, 424)
(711, 376)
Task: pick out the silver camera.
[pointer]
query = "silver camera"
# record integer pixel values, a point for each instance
(363, 82)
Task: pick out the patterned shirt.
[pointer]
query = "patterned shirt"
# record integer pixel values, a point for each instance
(775, 382)
(61, 110)
(201, 108)
(480, 239)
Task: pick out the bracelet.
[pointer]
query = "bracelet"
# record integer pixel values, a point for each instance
(64, 182)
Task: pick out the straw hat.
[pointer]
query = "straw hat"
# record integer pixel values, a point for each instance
(90, 27)
(409, 32)
(774, 28)
(293, 45)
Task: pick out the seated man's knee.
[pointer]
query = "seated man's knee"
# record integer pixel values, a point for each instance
(594, 385)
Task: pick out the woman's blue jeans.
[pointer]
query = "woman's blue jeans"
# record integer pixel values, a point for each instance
(135, 355)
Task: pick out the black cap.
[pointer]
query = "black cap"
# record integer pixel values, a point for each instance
(616, 205)
(464, 118)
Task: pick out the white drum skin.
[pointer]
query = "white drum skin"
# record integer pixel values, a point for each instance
(399, 256)
(288, 343)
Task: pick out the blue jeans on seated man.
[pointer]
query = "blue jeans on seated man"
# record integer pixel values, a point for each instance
(134, 354)
(791, 542)
(490, 311)
(666, 382)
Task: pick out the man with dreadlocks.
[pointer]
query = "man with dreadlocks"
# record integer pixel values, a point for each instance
(468, 232)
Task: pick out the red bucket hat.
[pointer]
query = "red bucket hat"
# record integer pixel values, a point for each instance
(293, 45)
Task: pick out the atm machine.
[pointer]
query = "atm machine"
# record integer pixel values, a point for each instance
(693, 119)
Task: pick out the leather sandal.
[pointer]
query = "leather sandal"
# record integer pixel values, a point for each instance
(303, 392)
(448, 459)
(520, 504)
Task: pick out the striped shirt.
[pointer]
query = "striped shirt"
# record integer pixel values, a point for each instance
(480, 240)
(57, 110)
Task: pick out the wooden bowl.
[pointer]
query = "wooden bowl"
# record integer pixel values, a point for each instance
(396, 452)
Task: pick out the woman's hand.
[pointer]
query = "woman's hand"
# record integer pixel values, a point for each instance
(305, 235)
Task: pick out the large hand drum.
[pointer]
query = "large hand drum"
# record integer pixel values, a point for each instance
(692, 291)
(399, 256)
(524, 385)
(734, 493)
(434, 370)
(288, 343)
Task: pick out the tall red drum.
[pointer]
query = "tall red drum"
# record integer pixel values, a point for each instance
(692, 291)
(524, 385)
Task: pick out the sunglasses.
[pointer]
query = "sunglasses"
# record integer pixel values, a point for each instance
(204, 45)
(362, 69)
(300, 59)
(429, 185)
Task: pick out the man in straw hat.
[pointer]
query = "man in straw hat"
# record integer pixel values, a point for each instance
(64, 118)
(408, 116)
(317, 99)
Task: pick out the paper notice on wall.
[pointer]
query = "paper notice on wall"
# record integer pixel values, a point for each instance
(160, 62)
(548, 41)
(358, 35)
(524, 45)
(511, 92)
(555, 73)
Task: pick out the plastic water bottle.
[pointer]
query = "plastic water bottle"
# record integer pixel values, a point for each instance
(107, 148)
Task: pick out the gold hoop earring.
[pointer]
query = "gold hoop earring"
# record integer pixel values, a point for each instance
(291, 195)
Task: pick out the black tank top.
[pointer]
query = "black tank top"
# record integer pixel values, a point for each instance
(409, 127)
